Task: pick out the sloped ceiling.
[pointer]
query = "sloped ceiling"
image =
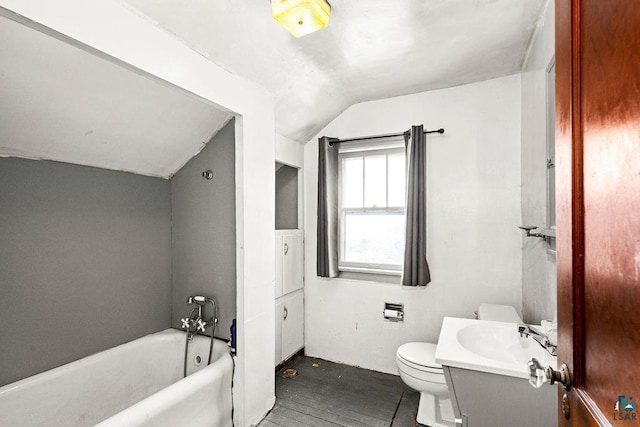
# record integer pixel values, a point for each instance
(372, 49)
(61, 103)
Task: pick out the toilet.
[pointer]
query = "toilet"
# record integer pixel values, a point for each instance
(418, 369)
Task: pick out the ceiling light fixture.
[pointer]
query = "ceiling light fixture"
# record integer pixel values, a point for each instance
(301, 17)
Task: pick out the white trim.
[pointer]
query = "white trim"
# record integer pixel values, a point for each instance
(350, 269)
(366, 150)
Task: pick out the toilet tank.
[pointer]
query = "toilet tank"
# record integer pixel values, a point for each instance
(498, 313)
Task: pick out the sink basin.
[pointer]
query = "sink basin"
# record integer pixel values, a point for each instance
(488, 346)
(499, 343)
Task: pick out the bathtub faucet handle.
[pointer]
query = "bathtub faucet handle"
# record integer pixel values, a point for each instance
(185, 323)
(201, 325)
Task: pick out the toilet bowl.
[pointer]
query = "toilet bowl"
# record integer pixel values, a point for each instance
(418, 369)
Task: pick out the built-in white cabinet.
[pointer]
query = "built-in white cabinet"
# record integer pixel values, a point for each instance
(289, 280)
(289, 261)
(289, 315)
(290, 324)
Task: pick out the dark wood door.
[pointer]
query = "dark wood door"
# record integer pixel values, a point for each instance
(598, 208)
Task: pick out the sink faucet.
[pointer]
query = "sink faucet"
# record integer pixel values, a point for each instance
(542, 339)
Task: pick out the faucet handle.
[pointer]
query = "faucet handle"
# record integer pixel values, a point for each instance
(185, 323)
(523, 330)
(201, 325)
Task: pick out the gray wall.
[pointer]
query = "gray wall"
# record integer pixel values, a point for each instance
(204, 230)
(85, 258)
(286, 197)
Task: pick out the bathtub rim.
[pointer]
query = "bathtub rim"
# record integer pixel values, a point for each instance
(51, 374)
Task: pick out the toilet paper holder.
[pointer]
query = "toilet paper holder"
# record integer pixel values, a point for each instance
(393, 312)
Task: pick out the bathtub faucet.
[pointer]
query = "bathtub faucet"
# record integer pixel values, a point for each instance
(195, 322)
(539, 337)
(189, 323)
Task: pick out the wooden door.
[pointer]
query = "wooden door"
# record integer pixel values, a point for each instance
(598, 208)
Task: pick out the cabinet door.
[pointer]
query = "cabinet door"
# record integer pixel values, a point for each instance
(292, 264)
(278, 354)
(292, 324)
(279, 251)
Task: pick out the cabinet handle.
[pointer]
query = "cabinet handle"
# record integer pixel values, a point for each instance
(286, 248)
(285, 313)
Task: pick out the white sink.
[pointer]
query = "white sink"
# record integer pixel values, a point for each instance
(499, 343)
(486, 346)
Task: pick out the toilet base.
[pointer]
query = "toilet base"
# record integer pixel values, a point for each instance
(434, 411)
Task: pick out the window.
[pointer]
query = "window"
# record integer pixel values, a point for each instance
(372, 208)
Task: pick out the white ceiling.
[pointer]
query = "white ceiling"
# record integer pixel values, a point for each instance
(61, 103)
(372, 49)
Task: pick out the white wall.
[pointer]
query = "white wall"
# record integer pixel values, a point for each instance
(113, 31)
(289, 152)
(474, 245)
(538, 267)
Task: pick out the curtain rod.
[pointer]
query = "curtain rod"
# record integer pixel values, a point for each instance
(390, 135)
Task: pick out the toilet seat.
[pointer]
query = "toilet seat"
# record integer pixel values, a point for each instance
(420, 355)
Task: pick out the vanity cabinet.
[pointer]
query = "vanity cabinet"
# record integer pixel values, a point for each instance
(289, 304)
(482, 399)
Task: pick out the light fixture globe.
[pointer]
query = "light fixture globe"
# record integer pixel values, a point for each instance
(301, 17)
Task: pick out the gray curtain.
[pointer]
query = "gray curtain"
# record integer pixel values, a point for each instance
(415, 270)
(327, 208)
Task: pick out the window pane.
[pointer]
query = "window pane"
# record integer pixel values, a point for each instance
(375, 181)
(385, 245)
(396, 179)
(352, 182)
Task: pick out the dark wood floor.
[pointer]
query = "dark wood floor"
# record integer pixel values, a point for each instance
(330, 394)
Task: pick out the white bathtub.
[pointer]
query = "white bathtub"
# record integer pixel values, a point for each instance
(135, 384)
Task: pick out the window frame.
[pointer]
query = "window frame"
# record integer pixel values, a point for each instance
(386, 148)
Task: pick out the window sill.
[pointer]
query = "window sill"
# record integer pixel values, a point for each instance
(370, 275)
(366, 270)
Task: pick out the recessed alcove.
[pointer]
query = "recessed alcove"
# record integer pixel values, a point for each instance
(287, 197)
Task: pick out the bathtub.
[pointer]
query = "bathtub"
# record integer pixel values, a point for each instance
(139, 383)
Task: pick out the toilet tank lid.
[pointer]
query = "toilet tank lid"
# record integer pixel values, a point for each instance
(498, 313)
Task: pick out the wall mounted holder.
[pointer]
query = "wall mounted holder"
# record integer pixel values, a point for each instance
(547, 234)
(393, 312)
(528, 229)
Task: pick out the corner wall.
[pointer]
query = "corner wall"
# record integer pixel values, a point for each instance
(85, 259)
(538, 267)
(473, 210)
(203, 231)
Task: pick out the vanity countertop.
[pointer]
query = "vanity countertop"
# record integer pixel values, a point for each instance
(488, 346)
